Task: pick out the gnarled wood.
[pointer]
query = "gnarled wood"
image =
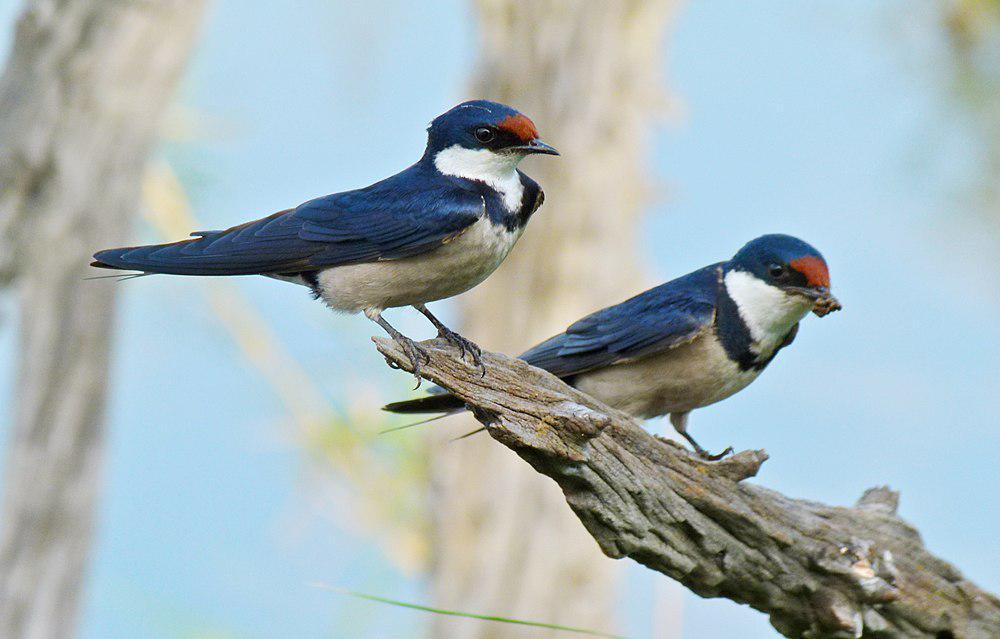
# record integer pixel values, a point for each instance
(818, 571)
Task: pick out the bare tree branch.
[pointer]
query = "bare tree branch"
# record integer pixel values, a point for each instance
(818, 571)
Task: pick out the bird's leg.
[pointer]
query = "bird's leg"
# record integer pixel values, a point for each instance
(679, 421)
(413, 350)
(464, 345)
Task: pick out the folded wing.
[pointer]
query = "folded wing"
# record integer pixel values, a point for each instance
(393, 219)
(654, 321)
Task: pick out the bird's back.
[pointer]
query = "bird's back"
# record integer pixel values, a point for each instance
(409, 213)
(653, 321)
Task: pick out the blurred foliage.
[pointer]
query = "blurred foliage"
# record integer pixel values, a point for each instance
(378, 481)
(972, 29)
(472, 615)
(388, 476)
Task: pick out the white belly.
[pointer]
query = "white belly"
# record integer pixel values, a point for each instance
(451, 269)
(679, 380)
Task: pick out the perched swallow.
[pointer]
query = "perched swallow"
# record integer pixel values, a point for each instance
(691, 342)
(434, 230)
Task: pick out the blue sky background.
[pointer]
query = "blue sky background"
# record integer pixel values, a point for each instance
(823, 120)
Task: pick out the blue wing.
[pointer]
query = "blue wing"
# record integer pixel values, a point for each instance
(651, 322)
(407, 214)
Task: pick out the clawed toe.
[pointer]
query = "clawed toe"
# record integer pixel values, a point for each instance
(477, 356)
(415, 352)
(707, 456)
(465, 346)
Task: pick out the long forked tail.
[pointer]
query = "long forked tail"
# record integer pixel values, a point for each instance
(268, 245)
(128, 258)
(436, 403)
(187, 257)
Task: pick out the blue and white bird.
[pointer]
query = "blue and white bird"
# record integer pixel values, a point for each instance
(691, 342)
(434, 230)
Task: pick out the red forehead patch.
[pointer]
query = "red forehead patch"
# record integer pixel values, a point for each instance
(814, 268)
(520, 126)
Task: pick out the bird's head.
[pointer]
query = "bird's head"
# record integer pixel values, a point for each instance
(775, 280)
(481, 139)
(790, 265)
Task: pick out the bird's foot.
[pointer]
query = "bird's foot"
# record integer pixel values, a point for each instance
(707, 456)
(464, 346)
(415, 352)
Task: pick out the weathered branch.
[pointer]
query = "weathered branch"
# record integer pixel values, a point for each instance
(816, 570)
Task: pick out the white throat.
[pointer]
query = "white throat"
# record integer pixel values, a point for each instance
(496, 170)
(768, 311)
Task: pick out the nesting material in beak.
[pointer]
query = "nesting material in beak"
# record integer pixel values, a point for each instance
(826, 305)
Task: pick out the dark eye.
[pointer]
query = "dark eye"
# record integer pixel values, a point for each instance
(485, 135)
(775, 269)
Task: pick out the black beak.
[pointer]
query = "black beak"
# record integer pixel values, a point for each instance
(535, 146)
(824, 302)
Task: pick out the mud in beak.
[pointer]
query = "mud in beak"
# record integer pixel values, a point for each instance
(824, 302)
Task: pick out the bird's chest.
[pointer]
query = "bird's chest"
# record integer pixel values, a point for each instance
(469, 258)
(702, 373)
(681, 379)
(453, 268)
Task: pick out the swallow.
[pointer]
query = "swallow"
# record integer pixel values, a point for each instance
(432, 231)
(685, 344)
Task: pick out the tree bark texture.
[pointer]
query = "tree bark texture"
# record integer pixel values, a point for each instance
(80, 99)
(818, 571)
(589, 75)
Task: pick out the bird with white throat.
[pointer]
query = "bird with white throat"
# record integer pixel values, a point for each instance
(685, 344)
(434, 230)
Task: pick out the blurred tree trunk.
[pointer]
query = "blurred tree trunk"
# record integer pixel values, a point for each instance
(80, 99)
(589, 74)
